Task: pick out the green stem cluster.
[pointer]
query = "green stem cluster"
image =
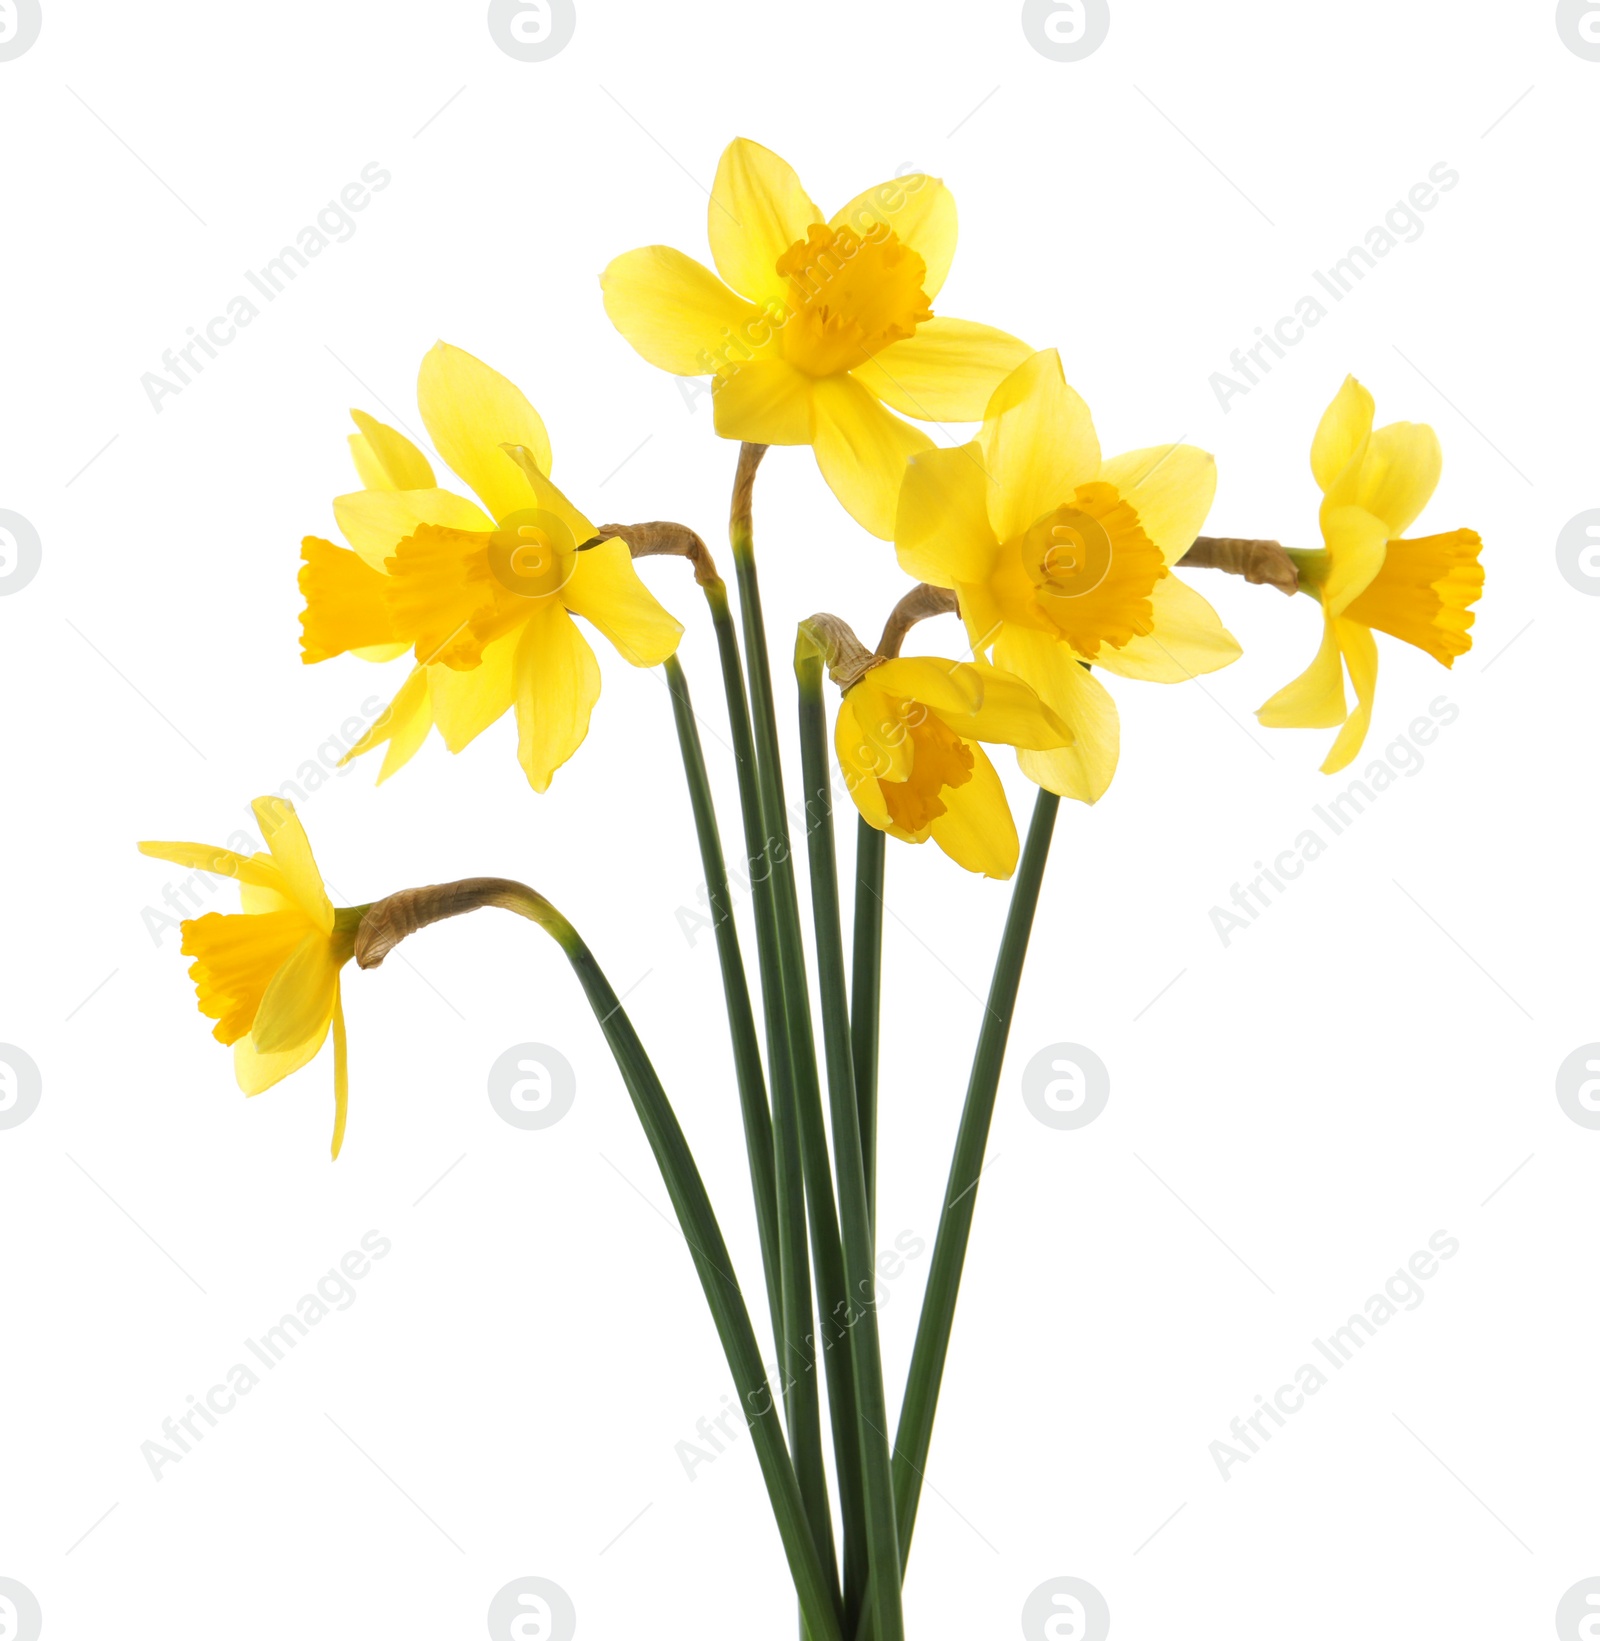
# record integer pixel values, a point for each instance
(814, 1190)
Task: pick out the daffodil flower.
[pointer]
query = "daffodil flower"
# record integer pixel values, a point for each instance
(908, 738)
(269, 975)
(1061, 560)
(1374, 485)
(819, 328)
(484, 596)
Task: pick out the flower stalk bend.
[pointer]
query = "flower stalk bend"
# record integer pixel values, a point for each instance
(392, 920)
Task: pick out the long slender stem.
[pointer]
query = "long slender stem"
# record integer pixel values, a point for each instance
(866, 985)
(753, 1105)
(855, 1213)
(932, 1347)
(802, 1400)
(827, 1252)
(390, 921)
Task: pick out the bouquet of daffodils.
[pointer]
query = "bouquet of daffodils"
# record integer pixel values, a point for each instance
(1061, 562)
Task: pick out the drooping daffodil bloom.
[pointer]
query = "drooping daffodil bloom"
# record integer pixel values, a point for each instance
(1061, 560)
(1368, 578)
(819, 328)
(483, 595)
(269, 974)
(907, 738)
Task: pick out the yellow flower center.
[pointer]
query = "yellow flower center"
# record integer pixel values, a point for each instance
(1424, 593)
(849, 298)
(1092, 569)
(235, 957)
(939, 759)
(451, 592)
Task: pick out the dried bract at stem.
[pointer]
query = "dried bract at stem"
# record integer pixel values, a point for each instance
(387, 922)
(1265, 563)
(847, 659)
(919, 604)
(659, 537)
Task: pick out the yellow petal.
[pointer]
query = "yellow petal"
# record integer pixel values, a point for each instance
(341, 1073)
(1038, 444)
(947, 372)
(920, 212)
(404, 724)
(767, 402)
(375, 522)
(1171, 487)
(1357, 541)
(464, 704)
(1344, 428)
(557, 685)
(1397, 475)
(385, 459)
(204, 857)
(299, 1001)
(858, 763)
(954, 689)
(862, 451)
(758, 210)
(976, 830)
(256, 1072)
(678, 315)
(1360, 650)
(978, 700)
(883, 725)
(269, 896)
(606, 591)
(548, 497)
(291, 853)
(1083, 770)
(1188, 639)
(942, 533)
(471, 411)
(1314, 700)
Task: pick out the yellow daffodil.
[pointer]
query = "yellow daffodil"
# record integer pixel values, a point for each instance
(1060, 560)
(269, 975)
(907, 738)
(483, 596)
(817, 324)
(1374, 484)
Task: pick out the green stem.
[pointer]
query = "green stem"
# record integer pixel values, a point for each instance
(741, 1020)
(826, 1250)
(389, 922)
(866, 984)
(802, 1402)
(915, 1434)
(855, 1213)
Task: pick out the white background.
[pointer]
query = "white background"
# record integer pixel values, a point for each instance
(1291, 1116)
